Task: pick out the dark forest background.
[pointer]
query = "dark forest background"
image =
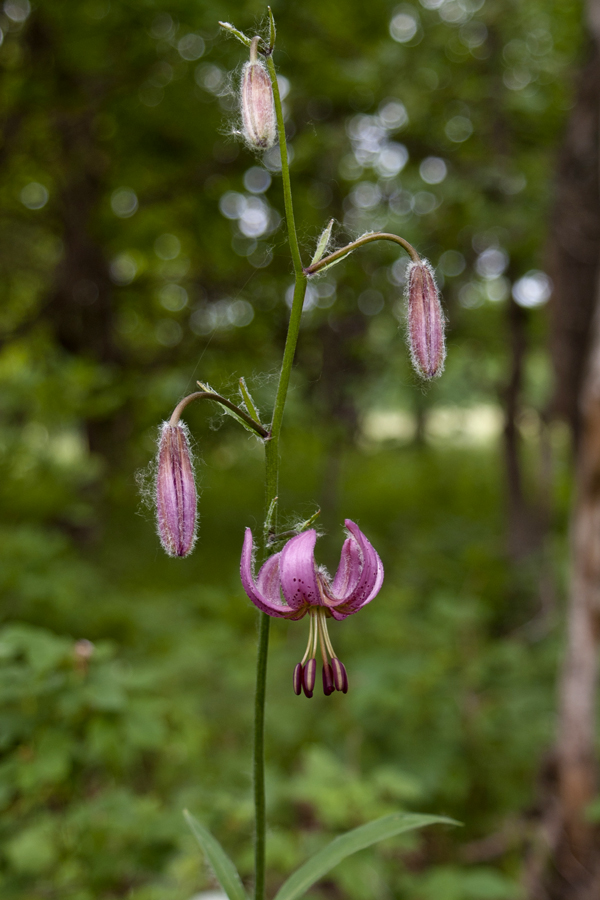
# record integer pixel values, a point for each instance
(141, 248)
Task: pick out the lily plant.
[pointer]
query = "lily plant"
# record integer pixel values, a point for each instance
(289, 584)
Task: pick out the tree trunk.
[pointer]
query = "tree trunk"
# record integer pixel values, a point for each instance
(577, 850)
(524, 521)
(571, 840)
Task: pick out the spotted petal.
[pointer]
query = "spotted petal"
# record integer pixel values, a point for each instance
(348, 572)
(298, 573)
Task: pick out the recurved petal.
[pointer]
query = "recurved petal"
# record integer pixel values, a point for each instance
(264, 593)
(369, 582)
(297, 572)
(348, 572)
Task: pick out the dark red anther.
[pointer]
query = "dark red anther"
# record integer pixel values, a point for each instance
(340, 678)
(298, 679)
(310, 672)
(328, 685)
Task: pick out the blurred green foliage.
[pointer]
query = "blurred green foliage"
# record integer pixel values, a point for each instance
(140, 250)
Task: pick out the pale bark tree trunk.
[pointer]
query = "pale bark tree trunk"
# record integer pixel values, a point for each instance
(569, 868)
(577, 851)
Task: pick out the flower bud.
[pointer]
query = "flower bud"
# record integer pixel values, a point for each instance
(256, 98)
(175, 491)
(425, 321)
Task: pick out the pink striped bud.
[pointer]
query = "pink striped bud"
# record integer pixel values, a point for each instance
(175, 491)
(425, 320)
(256, 99)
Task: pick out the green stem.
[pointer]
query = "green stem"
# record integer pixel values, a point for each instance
(285, 170)
(365, 239)
(260, 812)
(271, 485)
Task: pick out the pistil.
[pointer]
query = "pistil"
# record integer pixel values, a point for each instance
(305, 671)
(339, 677)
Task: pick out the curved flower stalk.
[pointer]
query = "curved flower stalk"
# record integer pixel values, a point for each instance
(175, 489)
(425, 317)
(307, 588)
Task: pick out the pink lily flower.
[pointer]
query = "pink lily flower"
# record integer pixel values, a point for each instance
(307, 588)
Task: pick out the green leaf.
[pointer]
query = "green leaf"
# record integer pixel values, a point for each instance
(224, 870)
(270, 518)
(272, 29)
(242, 38)
(249, 401)
(308, 523)
(334, 263)
(322, 244)
(349, 843)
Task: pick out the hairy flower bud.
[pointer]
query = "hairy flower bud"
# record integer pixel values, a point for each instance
(425, 321)
(175, 491)
(256, 99)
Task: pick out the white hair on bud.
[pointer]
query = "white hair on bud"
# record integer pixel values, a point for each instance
(425, 320)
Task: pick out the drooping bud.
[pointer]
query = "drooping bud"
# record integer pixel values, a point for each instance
(175, 491)
(257, 104)
(425, 320)
(340, 677)
(328, 685)
(310, 671)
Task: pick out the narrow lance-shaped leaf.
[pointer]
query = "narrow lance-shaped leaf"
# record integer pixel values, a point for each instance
(242, 38)
(308, 523)
(349, 843)
(335, 262)
(272, 29)
(270, 517)
(224, 870)
(249, 401)
(322, 244)
(297, 529)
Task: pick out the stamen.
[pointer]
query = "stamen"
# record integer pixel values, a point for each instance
(298, 679)
(326, 633)
(328, 685)
(340, 677)
(315, 635)
(322, 635)
(310, 638)
(310, 671)
(334, 675)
